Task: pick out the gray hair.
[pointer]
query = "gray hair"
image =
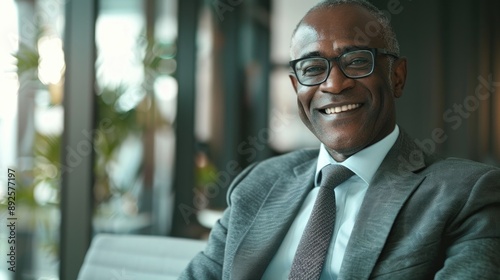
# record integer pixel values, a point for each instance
(387, 32)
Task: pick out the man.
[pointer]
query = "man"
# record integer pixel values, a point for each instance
(402, 215)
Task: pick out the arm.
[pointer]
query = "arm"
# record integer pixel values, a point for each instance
(209, 263)
(473, 250)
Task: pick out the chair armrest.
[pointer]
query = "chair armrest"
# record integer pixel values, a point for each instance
(145, 257)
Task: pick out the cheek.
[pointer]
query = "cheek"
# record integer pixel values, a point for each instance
(302, 114)
(387, 99)
(303, 110)
(383, 99)
(384, 108)
(304, 99)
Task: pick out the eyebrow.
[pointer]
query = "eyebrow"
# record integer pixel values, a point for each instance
(340, 50)
(311, 54)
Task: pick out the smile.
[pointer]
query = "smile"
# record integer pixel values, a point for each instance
(340, 109)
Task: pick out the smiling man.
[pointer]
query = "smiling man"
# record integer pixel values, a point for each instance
(345, 100)
(369, 203)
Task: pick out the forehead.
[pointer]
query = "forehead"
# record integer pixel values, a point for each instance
(330, 30)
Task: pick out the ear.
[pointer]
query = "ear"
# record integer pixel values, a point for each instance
(399, 76)
(294, 81)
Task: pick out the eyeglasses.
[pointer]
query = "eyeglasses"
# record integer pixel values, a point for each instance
(311, 71)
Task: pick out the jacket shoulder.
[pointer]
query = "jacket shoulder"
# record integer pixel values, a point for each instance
(460, 180)
(260, 176)
(460, 168)
(289, 160)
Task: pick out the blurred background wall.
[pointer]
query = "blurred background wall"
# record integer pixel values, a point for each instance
(133, 116)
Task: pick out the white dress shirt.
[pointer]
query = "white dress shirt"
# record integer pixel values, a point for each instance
(349, 196)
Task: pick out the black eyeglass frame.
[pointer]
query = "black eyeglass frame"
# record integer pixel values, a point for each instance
(373, 51)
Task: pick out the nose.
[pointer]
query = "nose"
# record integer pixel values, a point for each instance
(336, 82)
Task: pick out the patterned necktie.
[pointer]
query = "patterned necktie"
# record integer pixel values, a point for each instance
(311, 252)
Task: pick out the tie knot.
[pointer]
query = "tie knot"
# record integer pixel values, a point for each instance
(333, 175)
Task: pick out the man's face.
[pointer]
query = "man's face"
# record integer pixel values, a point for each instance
(368, 113)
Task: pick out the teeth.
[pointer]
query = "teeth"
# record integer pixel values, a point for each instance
(339, 109)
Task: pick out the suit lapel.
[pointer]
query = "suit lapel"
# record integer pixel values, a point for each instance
(272, 222)
(391, 186)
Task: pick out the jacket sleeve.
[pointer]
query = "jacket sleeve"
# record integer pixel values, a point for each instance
(209, 264)
(474, 234)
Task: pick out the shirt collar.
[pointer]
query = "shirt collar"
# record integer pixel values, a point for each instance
(365, 162)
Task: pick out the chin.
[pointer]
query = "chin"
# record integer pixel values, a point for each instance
(342, 147)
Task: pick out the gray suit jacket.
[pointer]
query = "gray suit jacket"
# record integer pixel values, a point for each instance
(422, 218)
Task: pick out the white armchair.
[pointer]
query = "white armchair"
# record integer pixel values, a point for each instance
(137, 257)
